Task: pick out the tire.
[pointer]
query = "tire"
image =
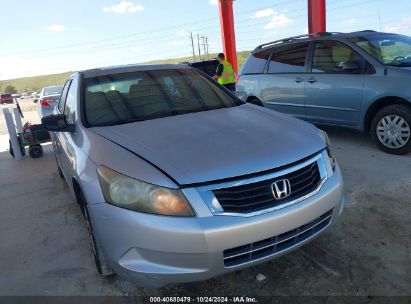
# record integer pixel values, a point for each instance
(22, 149)
(36, 151)
(100, 260)
(391, 129)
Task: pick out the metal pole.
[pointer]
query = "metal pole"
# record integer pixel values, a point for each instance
(17, 119)
(379, 19)
(192, 44)
(204, 46)
(199, 50)
(207, 45)
(12, 133)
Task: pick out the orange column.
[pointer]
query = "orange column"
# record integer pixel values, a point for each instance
(227, 31)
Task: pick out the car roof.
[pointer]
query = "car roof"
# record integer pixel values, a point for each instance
(130, 68)
(210, 60)
(319, 36)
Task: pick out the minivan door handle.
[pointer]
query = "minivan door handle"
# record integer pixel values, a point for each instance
(299, 79)
(311, 80)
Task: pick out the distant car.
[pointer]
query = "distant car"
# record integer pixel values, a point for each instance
(49, 98)
(208, 66)
(24, 95)
(6, 98)
(359, 80)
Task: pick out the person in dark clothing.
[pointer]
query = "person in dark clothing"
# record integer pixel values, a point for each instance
(225, 73)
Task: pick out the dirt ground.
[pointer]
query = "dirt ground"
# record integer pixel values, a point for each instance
(29, 111)
(44, 248)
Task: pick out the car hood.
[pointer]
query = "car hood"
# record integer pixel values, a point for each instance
(218, 144)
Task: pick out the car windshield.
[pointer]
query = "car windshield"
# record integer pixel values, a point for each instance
(56, 90)
(124, 98)
(389, 49)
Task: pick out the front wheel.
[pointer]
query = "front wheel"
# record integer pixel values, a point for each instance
(391, 129)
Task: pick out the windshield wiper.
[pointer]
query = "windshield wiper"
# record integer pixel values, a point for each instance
(118, 122)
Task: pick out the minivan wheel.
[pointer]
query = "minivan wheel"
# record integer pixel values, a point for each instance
(99, 258)
(391, 129)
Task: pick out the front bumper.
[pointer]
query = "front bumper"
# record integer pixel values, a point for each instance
(157, 250)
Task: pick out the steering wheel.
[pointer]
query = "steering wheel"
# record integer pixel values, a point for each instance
(399, 58)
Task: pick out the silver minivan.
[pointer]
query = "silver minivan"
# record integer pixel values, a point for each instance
(180, 181)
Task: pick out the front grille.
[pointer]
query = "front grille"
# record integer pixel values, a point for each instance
(259, 196)
(276, 244)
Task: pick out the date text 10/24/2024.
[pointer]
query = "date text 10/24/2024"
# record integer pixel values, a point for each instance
(239, 299)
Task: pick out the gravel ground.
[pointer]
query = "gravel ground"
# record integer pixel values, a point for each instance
(44, 248)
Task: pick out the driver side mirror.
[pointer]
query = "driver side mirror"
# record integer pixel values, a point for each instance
(351, 66)
(57, 123)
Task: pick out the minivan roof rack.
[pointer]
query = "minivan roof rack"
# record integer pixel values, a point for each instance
(312, 35)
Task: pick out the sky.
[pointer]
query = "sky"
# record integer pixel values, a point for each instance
(51, 36)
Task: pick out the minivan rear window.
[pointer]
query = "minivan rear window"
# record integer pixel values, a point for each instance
(257, 61)
(142, 95)
(289, 58)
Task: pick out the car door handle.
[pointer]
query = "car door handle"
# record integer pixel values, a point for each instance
(311, 80)
(299, 79)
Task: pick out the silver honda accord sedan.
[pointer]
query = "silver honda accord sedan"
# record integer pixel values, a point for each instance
(181, 181)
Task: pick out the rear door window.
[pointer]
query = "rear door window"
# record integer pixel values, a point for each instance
(289, 58)
(257, 62)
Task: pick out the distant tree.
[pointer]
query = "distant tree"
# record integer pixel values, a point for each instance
(10, 90)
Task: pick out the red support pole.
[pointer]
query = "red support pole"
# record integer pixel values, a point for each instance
(316, 16)
(227, 31)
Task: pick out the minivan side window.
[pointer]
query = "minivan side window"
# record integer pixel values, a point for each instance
(63, 96)
(330, 56)
(70, 108)
(289, 58)
(257, 61)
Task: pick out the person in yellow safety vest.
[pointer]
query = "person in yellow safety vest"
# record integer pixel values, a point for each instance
(225, 73)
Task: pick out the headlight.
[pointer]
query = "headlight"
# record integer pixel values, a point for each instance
(130, 193)
(328, 144)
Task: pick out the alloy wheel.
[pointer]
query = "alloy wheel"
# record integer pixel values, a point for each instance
(393, 131)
